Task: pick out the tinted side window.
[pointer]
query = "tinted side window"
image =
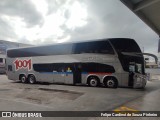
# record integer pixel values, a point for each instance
(41, 51)
(62, 67)
(60, 50)
(125, 45)
(43, 67)
(80, 48)
(97, 67)
(53, 67)
(103, 47)
(89, 67)
(105, 68)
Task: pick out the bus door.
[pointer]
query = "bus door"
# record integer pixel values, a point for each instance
(77, 74)
(131, 74)
(139, 78)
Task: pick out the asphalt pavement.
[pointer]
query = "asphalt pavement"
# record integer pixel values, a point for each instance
(15, 96)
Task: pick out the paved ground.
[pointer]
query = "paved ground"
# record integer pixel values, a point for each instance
(53, 97)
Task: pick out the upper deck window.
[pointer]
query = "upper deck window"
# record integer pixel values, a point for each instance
(102, 47)
(125, 45)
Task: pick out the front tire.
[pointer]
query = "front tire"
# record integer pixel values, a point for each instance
(32, 79)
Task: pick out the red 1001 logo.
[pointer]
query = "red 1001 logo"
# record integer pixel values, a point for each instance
(26, 64)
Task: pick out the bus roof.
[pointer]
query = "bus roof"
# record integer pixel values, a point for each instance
(71, 42)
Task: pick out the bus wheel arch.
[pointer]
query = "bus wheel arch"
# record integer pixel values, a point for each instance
(23, 78)
(93, 81)
(31, 79)
(110, 82)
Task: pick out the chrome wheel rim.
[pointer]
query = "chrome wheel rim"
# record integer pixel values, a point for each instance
(23, 79)
(93, 82)
(31, 80)
(110, 83)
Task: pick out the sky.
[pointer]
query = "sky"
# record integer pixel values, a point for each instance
(42, 22)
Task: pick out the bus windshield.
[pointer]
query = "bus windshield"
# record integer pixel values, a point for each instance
(126, 45)
(137, 68)
(127, 51)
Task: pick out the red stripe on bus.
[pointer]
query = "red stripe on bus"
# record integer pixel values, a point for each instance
(100, 73)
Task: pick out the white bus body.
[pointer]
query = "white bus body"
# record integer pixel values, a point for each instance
(93, 63)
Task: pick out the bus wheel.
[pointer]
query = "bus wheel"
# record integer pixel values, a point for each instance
(93, 81)
(111, 82)
(23, 79)
(32, 79)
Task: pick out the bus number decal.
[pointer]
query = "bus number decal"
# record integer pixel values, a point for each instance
(19, 64)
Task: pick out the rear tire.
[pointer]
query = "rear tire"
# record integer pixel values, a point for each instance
(111, 82)
(32, 79)
(93, 81)
(23, 79)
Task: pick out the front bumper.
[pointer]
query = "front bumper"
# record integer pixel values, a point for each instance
(140, 81)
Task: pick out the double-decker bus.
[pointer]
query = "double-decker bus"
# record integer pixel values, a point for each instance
(110, 62)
